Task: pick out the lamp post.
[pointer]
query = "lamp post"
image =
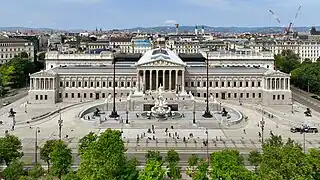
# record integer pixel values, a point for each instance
(114, 113)
(207, 113)
(292, 111)
(207, 142)
(60, 121)
(36, 145)
(127, 117)
(194, 110)
(262, 123)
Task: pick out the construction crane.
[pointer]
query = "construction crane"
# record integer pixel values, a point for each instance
(287, 30)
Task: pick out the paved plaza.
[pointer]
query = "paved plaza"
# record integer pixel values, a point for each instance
(220, 133)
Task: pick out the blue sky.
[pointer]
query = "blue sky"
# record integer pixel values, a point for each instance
(108, 14)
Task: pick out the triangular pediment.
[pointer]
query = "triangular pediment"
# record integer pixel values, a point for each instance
(43, 74)
(164, 63)
(273, 73)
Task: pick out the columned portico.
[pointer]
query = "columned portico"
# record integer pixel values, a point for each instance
(151, 80)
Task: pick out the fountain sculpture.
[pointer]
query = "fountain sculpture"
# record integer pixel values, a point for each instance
(160, 109)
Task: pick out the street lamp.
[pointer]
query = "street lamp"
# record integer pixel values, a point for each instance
(194, 110)
(114, 113)
(292, 101)
(207, 113)
(60, 121)
(127, 117)
(207, 143)
(262, 123)
(36, 145)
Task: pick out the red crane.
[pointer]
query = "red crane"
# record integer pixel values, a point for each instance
(287, 30)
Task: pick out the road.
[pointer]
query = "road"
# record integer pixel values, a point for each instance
(305, 98)
(140, 156)
(14, 96)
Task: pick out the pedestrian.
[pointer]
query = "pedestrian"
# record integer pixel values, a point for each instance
(244, 131)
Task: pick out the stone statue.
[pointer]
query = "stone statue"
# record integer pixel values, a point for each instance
(160, 90)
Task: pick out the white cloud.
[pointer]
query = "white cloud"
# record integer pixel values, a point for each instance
(170, 21)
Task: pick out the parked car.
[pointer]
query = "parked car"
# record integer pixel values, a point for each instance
(304, 129)
(6, 103)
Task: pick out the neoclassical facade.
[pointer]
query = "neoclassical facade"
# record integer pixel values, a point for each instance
(159, 67)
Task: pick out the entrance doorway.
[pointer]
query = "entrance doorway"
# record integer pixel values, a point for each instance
(97, 95)
(223, 95)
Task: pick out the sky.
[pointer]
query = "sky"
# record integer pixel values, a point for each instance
(119, 14)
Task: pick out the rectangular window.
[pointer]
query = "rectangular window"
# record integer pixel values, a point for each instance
(67, 84)
(229, 95)
(229, 84)
(72, 95)
(278, 97)
(79, 84)
(186, 84)
(247, 84)
(73, 84)
(116, 84)
(282, 97)
(217, 84)
(259, 84)
(253, 95)
(128, 84)
(192, 84)
(66, 95)
(84, 95)
(79, 95)
(204, 94)
(45, 97)
(86, 84)
(91, 84)
(198, 84)
(274, 97)
(198, 94)
(41, 97)
(247, 95)
(110, 84)
(103, 95)
(103, 84)
(91, 95)
(241, 95)
(259, 95)
(204, 84)
(222, 84)
(134, 84)
(217, 95)
(210, 84)
(60, 95)
(122, 84)
(61, 84)
(240, 84)
(37, 97)
(235, 95)
(252, 84)
(234, 84)
(98, 84)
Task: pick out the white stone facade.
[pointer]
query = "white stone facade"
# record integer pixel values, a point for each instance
(13, 47)
(74, 83)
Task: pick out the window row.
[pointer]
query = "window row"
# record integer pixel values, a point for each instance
(95, 84)
(88, 95)
(224, 84)
(41, 97)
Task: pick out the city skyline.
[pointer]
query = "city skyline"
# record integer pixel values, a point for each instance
(109, 14)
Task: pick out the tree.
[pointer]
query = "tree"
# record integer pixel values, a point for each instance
(201, 172)
(228, 164)
(307, 77)
(14, 171)
(174, 171)
(192, 162)
(45, 151)
(85, 142)
(255, 159)
(36, 172)
(10, 148)
(314, 158)
(104, 158)
(71, 176)
(23, 55)
(284, 160)
(307, 61)
(154, 155)
(287, 61)
(130, 170)
(152, 171)
(172, 156)
(61, 159)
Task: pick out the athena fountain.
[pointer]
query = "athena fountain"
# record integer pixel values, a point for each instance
(160, 109)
